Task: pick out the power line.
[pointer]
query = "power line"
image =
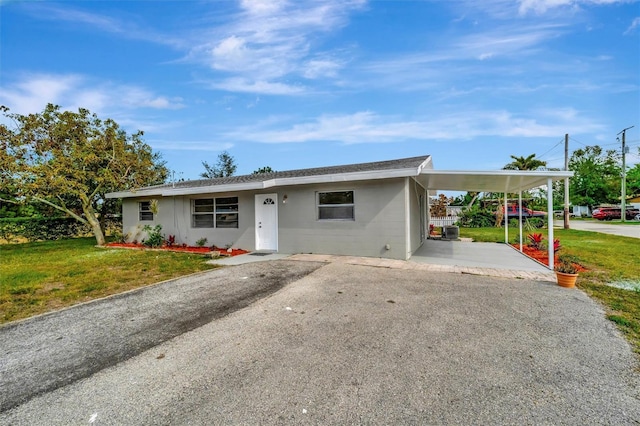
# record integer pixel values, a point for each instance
(556, 145)
(576, 140)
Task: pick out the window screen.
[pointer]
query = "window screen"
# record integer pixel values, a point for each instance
(336, 205)
(215, 213)
(144, 208)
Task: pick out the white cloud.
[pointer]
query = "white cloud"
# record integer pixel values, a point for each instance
(368, 127)
(31, 92)
(542, 6)
(245, 85)
(62, 12)
(262, 7)
(269, 42)
(634, 24)
(506, 41)
(34, 92)
(317, 68)
(510, 49)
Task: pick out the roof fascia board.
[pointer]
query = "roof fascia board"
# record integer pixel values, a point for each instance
(232, 187)
(134, 194)
(342, 177)
(537, 173)
(271, 183)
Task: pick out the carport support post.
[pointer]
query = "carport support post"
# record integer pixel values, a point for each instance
(428, 214)
(506, 220)
(550, 220)
(520, 216)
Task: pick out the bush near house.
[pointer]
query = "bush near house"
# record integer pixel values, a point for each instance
(18, 229)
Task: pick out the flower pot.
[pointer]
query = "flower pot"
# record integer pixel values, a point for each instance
(566, 280)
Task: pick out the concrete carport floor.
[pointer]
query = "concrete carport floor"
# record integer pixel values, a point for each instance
(475, 254)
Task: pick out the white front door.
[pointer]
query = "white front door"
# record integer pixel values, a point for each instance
(267, 222)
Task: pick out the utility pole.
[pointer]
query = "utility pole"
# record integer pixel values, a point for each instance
(623, 199)
(566, 181)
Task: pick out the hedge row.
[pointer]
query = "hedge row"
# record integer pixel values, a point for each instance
(47, 228)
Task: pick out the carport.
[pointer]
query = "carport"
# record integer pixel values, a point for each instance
(501, 181)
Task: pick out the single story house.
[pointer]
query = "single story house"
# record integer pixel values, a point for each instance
(377, 209)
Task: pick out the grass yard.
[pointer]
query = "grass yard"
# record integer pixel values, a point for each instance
(609, 258)
(44, 276)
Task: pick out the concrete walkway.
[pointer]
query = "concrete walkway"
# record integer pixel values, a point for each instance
(489, 259)
(431, 267)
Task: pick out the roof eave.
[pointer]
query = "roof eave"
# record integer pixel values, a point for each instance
(278, 182)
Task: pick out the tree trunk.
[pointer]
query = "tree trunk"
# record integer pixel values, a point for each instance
(92, 218)
(89, 212)
(97, 230)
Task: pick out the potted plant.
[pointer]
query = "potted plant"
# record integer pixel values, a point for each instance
(566, 272)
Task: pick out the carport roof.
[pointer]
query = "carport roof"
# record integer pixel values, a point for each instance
(420, 168)
(511, 181)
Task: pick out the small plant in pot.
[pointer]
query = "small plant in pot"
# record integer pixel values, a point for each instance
(566, 272)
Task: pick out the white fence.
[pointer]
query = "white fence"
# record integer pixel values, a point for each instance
(443, 221)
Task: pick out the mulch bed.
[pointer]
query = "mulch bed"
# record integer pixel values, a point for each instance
(180, 249)
(542, 256)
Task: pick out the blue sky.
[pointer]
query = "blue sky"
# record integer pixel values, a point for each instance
(296, 84)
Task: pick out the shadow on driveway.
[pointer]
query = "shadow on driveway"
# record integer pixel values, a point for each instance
(43, 353)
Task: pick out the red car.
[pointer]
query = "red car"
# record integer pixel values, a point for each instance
(610, 213)
(514, 212)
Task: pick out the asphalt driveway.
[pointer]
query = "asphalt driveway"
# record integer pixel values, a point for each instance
(350, 344)
(43, 353)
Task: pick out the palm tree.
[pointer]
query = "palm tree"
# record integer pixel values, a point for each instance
(522, 163)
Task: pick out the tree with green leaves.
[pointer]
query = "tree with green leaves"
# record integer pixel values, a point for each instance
(525, 163)
(261, 170)
(633, 180)
(597, 176)
(70, 160)
(226, 166)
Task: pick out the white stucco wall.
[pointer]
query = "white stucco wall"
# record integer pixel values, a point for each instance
(379, 220)
(379, 205)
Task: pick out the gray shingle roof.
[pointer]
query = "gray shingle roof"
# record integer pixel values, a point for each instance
(402, 163)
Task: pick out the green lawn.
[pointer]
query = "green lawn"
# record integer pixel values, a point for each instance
(43, 276)
(608, 258)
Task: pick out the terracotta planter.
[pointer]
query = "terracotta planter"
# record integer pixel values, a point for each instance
(566, 280)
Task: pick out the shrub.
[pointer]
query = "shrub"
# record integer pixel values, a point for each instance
(566, 268)
(49, 228)
(535, 241)
(201, 242)
(154, 236)
(476, 217)
(534, 222)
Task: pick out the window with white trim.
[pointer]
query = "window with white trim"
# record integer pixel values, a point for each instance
(144, 209)
(335, 205)
(215, 212)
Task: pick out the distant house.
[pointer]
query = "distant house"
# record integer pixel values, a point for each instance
(377, 209)
(634, 201)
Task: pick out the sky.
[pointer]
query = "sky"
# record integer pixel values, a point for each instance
(297, 84)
